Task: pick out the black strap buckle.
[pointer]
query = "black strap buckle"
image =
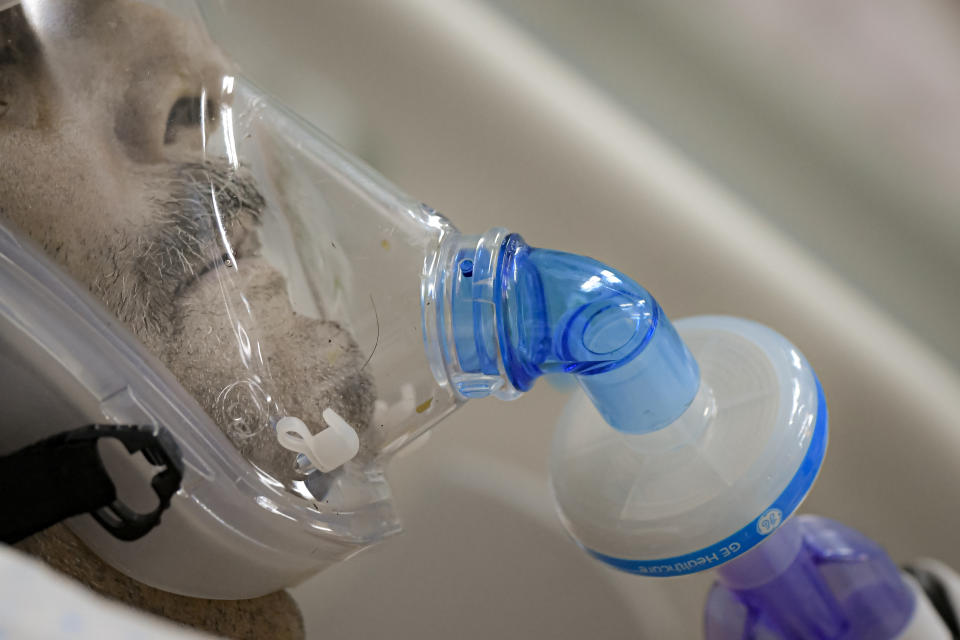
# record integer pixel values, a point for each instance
(64, 476)
(160, 450)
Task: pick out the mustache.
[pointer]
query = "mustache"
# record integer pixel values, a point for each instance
(204, 215)
(209, 209)
(206, 188)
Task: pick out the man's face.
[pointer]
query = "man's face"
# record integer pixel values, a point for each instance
(105, 109)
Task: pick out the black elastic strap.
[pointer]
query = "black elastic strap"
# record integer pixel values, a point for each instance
(938, 596)
(63, 476)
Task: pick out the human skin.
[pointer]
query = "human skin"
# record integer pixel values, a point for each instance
(102, 164)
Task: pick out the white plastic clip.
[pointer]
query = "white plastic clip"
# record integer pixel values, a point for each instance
(327, 450)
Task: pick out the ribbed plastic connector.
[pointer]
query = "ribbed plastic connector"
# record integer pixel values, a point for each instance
(498, 314)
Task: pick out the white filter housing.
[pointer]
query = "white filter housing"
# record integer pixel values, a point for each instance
(713, 483)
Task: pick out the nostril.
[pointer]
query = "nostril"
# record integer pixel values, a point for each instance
(186, 113)
(189, 113)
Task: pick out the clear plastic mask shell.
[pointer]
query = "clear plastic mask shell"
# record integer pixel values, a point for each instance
(264, 273)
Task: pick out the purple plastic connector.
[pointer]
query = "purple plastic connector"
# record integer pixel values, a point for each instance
(813, 578)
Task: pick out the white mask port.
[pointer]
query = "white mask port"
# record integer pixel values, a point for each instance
(331, 448)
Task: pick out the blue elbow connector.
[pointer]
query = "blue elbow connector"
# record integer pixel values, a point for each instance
(503, 313)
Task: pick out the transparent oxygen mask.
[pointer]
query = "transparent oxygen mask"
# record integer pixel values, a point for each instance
(179, 250)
